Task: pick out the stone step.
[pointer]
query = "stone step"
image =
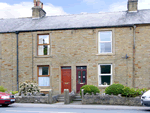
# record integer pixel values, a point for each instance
(79, 99)
(61, 97)
(60, 100)
(77, 96)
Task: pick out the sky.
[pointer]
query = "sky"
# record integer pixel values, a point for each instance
(22, 8)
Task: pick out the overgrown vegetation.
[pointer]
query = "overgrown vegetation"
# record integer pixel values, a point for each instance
(116, 89)
(2, 89)
(13, 92)
(28, 87)
(89, 89)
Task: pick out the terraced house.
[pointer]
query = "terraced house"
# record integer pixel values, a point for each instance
(69, 51)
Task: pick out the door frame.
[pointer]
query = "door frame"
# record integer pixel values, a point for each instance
(81, 74)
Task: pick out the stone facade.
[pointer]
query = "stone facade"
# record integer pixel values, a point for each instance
(77, 48)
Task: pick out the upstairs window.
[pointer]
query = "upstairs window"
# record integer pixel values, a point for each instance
(43, 45)
(105, 42)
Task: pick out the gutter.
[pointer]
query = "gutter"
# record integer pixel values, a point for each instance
(133, 81)
(17, 33)
(74, 28)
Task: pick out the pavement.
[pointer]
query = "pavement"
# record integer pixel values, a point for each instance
(78, 105)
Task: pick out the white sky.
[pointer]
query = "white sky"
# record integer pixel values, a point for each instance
(23, 9)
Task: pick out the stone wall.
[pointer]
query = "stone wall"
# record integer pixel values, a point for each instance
(35, 99)
(111, 100)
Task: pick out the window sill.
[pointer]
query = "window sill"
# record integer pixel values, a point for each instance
(44, 89)
(103, 86)
(43, 56)
(105, 54)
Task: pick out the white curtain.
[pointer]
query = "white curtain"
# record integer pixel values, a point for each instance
(40, 40)
(40, 70)
(48, 50)
(44, 81)
(40, 50)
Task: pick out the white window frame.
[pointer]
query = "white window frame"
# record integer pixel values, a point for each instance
(104, 42)
(99, 75)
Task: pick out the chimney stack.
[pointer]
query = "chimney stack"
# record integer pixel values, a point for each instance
(132, 5)
(37, 10)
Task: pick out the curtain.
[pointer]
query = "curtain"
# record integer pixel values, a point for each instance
(40, 50)
(40, 70)
(44, 81)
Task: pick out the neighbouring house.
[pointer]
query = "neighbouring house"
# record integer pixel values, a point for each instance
(69, 51)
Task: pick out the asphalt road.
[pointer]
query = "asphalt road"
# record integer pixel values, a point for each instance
(40, 108)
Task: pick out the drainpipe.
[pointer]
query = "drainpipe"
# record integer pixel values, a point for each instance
(133, 82)
(17, 33)
(32, 57)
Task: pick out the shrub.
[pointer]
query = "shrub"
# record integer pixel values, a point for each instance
(14, 92)
(28, 87)
(89, 89)
(143, 90)
(2, 89)
(114, 89)
(131, 92)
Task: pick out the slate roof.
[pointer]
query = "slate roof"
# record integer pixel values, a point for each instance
(122, 18)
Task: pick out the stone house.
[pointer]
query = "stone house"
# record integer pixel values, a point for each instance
(66, 52)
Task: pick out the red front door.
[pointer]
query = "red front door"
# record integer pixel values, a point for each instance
(81, 78)
(65, 78)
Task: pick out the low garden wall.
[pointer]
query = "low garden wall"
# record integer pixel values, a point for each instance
(35, 99)
(111, 100)
(48, 99)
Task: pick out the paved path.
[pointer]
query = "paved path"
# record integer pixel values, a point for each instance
(77, 105)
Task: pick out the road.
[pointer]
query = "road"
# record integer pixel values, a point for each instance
(44, 108)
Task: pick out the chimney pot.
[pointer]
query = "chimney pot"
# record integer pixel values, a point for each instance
(34, 3)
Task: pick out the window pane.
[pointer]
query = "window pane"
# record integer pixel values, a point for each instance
(44, 81)
(84, 76)
(105, 69)
(105, 80)
(65, 67)
(81, 67)
(43, 50)
(40, 50)
(105, 36)
(43, 39)
(105, 47)
(45, 71)
(79, 76)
